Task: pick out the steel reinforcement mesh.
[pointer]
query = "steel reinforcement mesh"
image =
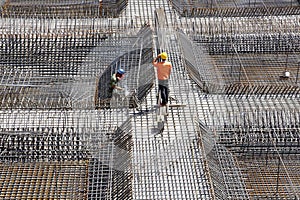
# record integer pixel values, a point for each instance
(139, 73)
(232, 129)
(81, 158)
(59, 9)
(234, 8)
(229, 57)
(261, 141)
(249, 126)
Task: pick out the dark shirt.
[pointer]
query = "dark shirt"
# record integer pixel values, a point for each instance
(113, 82)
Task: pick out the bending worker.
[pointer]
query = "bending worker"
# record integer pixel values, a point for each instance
(163, 74)
(115, 78)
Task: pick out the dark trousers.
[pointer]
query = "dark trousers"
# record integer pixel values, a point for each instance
(164, 94)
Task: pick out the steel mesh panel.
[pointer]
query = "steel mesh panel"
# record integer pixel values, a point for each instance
(252, 66)
(262, 139)
(136, 62)
(199, 8)
(271, 178)
(24, 89)
(18, 146)
(225, 174)
(268, 132)
(71, 8)
(53, 69)
(43, 180)
(266, 166)
(55, 55)
(60, 150)
(172, 159)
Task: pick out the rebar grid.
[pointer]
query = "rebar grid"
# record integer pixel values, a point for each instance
(108, 151)
(57, 54)
(136, 62)
(225, 174)
(252, 128)
(54, 120)
(44, 180)
(59, 64)
(173, 155)
(256, 63)
(271, 177)
(26, 89)
(234, 26)
(196, 8)
(254, 112)
(71, 8)
(135, 15)
(74, 137)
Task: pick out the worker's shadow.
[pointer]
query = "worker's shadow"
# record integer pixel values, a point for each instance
(157, 130)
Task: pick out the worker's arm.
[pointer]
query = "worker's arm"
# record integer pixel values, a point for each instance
(114, 81)
(114, 86)
(155, 60)
(118, 88)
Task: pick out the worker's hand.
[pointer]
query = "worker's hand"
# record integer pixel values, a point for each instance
(157, 58)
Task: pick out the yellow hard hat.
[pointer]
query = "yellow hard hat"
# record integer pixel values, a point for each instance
(164, 55)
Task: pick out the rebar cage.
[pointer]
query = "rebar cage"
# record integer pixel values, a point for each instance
(139, 76)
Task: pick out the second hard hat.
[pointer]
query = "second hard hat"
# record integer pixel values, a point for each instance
(121, 71)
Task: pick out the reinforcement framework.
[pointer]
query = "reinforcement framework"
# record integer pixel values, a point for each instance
(235, 70)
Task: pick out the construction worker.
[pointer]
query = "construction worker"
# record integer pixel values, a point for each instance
(163, 74)
(115, 78)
